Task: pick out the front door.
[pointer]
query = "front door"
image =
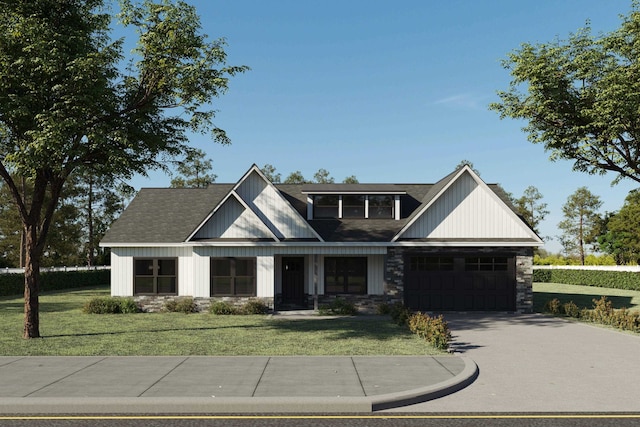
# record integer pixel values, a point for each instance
(293, 281)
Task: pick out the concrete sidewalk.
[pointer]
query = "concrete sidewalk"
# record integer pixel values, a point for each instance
(244, 384)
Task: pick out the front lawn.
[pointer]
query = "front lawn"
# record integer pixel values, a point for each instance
(583, 296)
(66, 330)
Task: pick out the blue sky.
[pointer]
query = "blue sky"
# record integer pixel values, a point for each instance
(390, 91)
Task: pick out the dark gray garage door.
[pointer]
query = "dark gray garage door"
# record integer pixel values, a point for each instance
(460, 283)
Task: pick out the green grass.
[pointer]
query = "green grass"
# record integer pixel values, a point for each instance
(66, 330)
(583, 296)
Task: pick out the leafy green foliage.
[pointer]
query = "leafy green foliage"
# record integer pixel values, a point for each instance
(181, 305)
(531, 208)
(340, 307)
(223, 308)
(606, 279)
(195, 171)
(621, 234)
(580, 98)
(110, 305)
(13, 284)
(580, 222)
(602, 313)
(255, 306)
(433, 329)
(68, 103)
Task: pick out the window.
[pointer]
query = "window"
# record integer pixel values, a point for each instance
(353, 206)
(325, 206)
(486, 264)
(431, 263)
(155, 276)
(345, 275)
(233, 277)
(381, 207)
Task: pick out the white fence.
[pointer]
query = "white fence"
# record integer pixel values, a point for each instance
(634, 268)
(48, 269)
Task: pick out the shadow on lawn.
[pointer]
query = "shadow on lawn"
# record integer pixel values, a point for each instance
(581, 300)
(379, 328)
(149, 331)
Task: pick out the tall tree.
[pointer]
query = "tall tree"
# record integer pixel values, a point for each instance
(323, 177)
(531, 208)
(582, 97)
(195, 171)
(350, 180)
(580, 221)
(295, 178)
(66, 103)
(620, 236)
(270, 172)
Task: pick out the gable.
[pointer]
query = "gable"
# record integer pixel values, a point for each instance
(467, 209)
(273, 209)
(233, 220)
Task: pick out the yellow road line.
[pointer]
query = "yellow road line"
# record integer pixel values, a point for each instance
(320, 417)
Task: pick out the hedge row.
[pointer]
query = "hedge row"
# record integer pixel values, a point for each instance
(605, 279)
(13, 284)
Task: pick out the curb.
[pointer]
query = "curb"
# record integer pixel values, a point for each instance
(220, 405)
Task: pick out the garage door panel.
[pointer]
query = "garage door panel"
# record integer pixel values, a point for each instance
(465, 284)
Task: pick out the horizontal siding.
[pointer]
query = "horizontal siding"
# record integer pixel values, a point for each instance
(467, 210)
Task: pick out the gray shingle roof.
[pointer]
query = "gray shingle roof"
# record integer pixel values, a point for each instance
(165, 215)
(171, 215)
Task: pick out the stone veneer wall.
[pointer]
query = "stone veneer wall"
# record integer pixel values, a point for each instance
(155, 303)
(394, 270)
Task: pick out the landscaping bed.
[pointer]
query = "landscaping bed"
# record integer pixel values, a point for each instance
(66, 330)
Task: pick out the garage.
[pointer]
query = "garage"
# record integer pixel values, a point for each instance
(460, 283)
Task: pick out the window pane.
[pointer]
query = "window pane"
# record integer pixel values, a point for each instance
(325, 206)
(381, 206)
(166, 285)
(244, 286)
(143, 285)
(166, 267)
(244, 267)
(144, 267)
(221, 267)
(353, 206)
(221, 286)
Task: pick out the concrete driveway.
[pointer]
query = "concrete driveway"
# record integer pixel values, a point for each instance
(534, 363)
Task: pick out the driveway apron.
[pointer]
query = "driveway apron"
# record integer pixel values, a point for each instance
(535, 363)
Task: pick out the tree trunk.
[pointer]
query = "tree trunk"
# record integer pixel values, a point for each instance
(90, 248)
(31, 285)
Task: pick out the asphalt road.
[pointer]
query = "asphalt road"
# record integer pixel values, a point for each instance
(355, 420)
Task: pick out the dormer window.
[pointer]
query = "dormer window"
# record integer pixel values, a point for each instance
(353, 206)
(326, 206)
(381, 207)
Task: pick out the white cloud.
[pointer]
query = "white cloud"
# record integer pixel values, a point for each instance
(467, 101)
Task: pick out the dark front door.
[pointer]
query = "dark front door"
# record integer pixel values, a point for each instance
(293, 281)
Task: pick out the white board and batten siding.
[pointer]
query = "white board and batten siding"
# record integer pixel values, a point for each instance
(273, 209)
(467, 210)
(122, 267)
(194, 265)
(233, 220)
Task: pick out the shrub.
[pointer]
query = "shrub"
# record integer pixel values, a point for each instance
(433, 329)
(399, 313)
(552, 306)
(182, 305)
(128, 305)
(602, 278)
(571, 309)
(223, 308)
(255, 306)
(13, 284)
(383, 309)
(110, 305)
(340, 307)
